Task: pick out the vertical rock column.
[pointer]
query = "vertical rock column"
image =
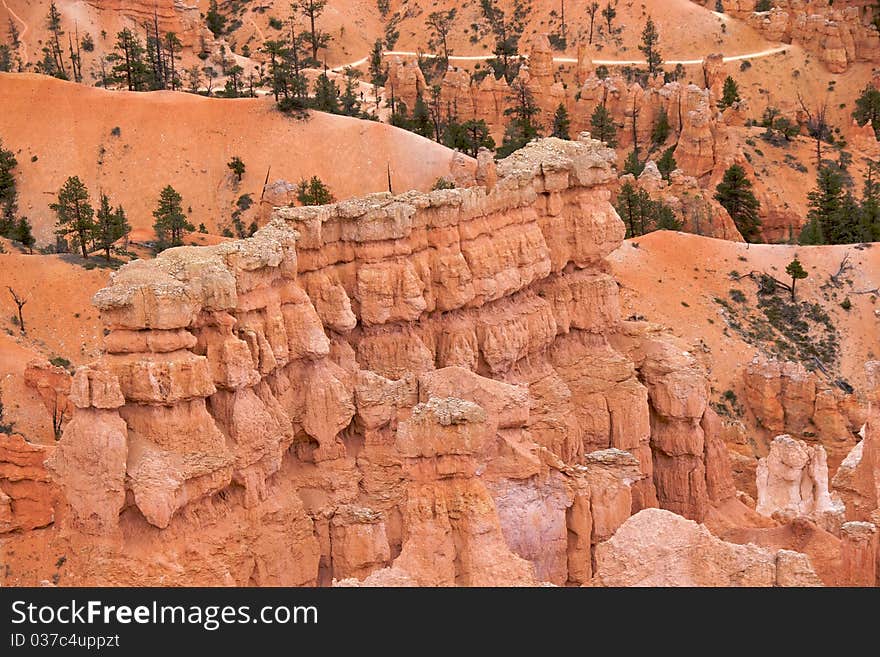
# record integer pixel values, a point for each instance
(859, 554)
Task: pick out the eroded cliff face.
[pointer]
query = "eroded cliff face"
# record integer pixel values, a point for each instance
(840, 33)
(428, 389)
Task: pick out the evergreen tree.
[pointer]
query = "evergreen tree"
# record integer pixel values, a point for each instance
(110, 225)
(561, 123)
(215, 20)
(171, 222)
(421, 119)
(378, 71)
(173, 46)
(870, 210)
(326, 94)
(868, 108)
(53, 23)
(314, 192)
(630, 206)
(730, 95)
(666, 164)
(523, 126)
(76, 217)
(592, 10)
(632, 164)
(661, 130)
(5, 59)
(507, 28)
(824, 204)
(317, 39)
(236, 165)
(350, 105)
(440, 24)
(8, 191)
(641, 214)
(609, 13)
(797, 273)
(24, 235)
(603, 126)
(847, 222)
(468, 137)
(664, 217)
(128, 56)
(650, 40)
(734, 193)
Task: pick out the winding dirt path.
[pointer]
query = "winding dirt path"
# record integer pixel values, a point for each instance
(571, 60)
(22, 50)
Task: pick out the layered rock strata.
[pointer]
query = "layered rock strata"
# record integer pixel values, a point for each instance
(412, 389)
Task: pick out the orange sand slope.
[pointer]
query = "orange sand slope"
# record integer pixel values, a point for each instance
(59, 129)
(668, 270)
(60, 321)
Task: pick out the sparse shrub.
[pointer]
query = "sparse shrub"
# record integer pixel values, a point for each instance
(737, 295)
(60, 361)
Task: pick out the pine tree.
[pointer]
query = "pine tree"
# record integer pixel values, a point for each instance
(666, 164)
(314, 192)
(378, 71)
(603, 126)
(730, 95)
(236, 165)
(734, 193)
(53, 23)
(8, 191)
(312, 10)
(870, 210)
(824, 204)
(661, 130)
(24, 235)
(421, 119)
(76, 217)
(609, 13)
(130, 67)
(664, 217)
(650, 40)
(173, 46)
(523, 127)
(349, 103)
(468, 137)
(440, 23)
(171, 222)
(632, 164)
(215, 20)
(797, 273)
(868, 108)
(561, 123)
(592, 10)
(111, 225)
(326, 95)
(847, 221)
(507, 28)
(5, 59)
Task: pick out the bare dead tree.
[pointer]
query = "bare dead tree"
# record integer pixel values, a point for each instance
(817, 123)
(19, 301)
(763, 280)
(844, 267)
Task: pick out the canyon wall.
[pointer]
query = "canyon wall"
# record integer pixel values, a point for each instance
(697, 130)
(413, 389)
